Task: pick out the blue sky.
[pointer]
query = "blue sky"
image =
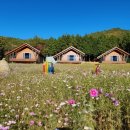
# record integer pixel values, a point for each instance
(52, 18)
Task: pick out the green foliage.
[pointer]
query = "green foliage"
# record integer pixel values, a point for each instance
(92, 44)
(1, 51)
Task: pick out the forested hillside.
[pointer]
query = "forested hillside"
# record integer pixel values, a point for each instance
(92, 44)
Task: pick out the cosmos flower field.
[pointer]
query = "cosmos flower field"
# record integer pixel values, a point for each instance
(73, 98)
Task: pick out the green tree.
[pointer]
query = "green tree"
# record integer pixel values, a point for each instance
(1, 51)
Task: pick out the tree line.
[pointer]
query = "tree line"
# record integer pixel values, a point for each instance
(91, 44)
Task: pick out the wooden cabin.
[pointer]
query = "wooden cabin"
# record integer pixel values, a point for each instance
(25, 54)
(70, 55)
(114, 55)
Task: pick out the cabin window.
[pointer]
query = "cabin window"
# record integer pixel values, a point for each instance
(14, 55)
(71, 58)
(26, 55)
(114, 58)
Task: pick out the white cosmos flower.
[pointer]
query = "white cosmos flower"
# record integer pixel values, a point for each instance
(62, 103)
(87, 128)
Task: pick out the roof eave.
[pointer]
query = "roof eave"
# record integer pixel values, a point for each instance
(22, 46)
(67, 49)
(109, 51)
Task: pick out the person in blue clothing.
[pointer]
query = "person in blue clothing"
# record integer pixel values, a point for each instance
(49, 68)
(52, 68)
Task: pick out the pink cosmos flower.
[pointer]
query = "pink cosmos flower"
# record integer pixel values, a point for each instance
(32, 114)
(93, 92)
(4, 128)
(39, 123)
(31, 122)
(71, 101)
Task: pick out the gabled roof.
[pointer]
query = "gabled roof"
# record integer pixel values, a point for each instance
(68, 49)
(113, 49)
(22, 47)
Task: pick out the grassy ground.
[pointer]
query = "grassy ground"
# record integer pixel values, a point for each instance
(32, 101)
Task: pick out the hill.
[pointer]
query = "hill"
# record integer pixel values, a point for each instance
(112, 32)
(93, 44)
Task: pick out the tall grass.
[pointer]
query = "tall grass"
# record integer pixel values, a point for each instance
(32, 101)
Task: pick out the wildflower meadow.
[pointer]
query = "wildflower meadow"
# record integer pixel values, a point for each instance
(73, 97)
